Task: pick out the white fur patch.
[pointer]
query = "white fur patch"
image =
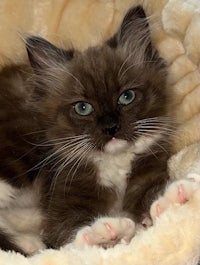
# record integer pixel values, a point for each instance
(144, 143)
(114, 167)
(20, 216)
(115, 146)
(113, 172)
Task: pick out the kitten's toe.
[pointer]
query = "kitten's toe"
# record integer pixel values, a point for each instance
(83, 237)
(178, 192)
(106, 232)
(158, 207)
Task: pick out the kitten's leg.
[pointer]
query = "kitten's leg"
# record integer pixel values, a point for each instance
(6, 243)
(20, 220)
(178, 192)
(29, 244)
(25, 244)
(14, 238)
(106, 232)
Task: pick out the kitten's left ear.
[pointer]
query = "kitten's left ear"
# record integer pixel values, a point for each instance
(134, 35)
(43, 55)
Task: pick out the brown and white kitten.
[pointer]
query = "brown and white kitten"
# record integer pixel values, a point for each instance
(83, 141)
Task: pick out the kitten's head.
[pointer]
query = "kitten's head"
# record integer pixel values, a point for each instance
(106, 98)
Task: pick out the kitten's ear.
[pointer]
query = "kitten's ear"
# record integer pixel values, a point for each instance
(43, 55)
(133, 34)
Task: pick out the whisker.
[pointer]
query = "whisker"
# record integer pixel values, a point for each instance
(53, 156)
(77, 164)
(168, 124)
(153, 127)
(60, 140)
(68, 158)
(148, 147)
(61, 169)
(156, 120)
(70, 151)
(160, 124)
(158, 130)
(35, 132)
(50, 158)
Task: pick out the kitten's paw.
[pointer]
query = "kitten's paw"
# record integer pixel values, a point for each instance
(106, 232)
(178, 192)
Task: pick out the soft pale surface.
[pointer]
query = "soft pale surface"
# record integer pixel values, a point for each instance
(175, 25)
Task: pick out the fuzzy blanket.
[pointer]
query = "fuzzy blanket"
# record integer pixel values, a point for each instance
(175, 25)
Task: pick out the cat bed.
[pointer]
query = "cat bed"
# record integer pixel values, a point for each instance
(175, 25)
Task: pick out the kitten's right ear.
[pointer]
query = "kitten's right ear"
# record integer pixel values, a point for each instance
(44, 55)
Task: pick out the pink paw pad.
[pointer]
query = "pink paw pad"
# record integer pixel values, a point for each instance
(178, 192)
(181, 194)
(106, 232)
(86, 238)
(158, 207)
(111, 231)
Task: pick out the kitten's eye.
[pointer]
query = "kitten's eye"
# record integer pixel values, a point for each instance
(126, 97)
(83, 108)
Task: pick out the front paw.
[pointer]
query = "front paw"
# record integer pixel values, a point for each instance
(106, 232)
(179, 192)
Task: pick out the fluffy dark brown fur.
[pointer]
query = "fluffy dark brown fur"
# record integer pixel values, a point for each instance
(46, 142)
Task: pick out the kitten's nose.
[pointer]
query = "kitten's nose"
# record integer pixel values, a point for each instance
(109, 124)
(111, 130)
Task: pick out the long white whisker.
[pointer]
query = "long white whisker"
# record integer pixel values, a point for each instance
(61, 140)
(167, 133)
(71, 156)
(77, 164)
(156, 120)
(53, 156)
(70, 151)
(153, 123)
(153, 127)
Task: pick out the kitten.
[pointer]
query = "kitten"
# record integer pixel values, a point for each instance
(84, 141)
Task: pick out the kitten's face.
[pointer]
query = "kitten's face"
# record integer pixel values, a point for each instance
(103, 94)
(105, 98)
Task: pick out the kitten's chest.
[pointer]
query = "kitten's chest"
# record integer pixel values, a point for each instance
(113, 171)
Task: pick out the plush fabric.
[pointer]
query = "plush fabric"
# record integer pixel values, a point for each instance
(175, 26)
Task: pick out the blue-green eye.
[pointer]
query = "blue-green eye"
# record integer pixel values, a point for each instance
(83, 108)
(126, 97)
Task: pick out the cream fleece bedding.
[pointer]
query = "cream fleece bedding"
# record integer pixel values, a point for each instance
(175, 26)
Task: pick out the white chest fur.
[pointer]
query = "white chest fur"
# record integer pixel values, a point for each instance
(113, 170)
(114, 167)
